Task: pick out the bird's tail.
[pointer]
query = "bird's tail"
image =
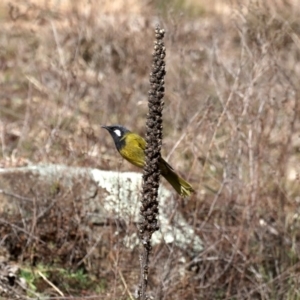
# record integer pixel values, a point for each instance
(181, 186)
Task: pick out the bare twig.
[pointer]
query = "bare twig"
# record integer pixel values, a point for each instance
(50, 283)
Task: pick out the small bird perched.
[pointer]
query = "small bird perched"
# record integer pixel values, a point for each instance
(131, 146)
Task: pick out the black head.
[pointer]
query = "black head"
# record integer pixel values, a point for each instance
(117, 132)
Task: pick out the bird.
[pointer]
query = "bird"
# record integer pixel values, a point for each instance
(131, 146)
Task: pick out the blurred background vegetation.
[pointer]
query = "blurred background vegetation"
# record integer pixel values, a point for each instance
(231, 119)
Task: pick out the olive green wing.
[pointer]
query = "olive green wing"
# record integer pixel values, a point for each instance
(140, 141)
(134, 148)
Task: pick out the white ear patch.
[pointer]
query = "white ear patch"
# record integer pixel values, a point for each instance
(117, 132)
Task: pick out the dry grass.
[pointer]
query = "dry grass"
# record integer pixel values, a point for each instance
(231, 124)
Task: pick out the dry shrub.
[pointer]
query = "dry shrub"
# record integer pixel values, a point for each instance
(231, 127)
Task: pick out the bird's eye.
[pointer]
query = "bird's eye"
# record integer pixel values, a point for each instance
(117, 132)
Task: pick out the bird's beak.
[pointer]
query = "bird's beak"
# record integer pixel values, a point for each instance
(105, 127)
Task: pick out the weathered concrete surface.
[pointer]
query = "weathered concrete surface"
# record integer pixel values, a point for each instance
(104, 196)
